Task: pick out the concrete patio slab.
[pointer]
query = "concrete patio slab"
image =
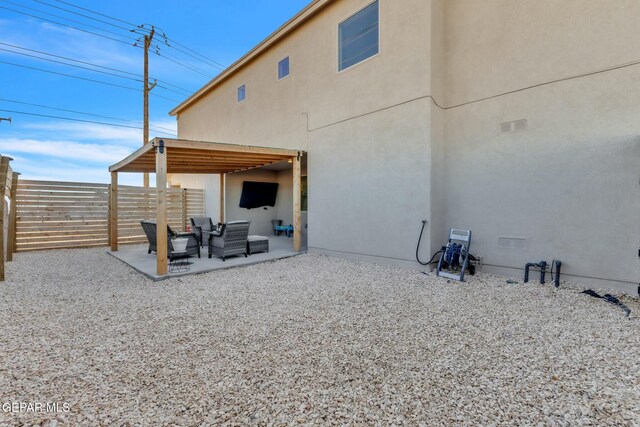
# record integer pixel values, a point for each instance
(137, 257)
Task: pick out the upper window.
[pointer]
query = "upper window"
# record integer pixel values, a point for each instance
(242, 94)
(283, 68)
(358, 37)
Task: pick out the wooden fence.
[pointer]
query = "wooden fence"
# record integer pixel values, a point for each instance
(54, 215)
(8, 183)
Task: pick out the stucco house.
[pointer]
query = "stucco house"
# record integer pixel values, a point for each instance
(518, 120)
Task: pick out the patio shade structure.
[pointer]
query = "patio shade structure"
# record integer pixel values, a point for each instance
(163, 156)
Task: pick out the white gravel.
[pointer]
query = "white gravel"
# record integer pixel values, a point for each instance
(310, 339)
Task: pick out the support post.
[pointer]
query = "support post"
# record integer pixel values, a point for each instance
(113, 212)
(297, 228)
(161, 209)
(4, 169)
(11, 243)
(222, 190)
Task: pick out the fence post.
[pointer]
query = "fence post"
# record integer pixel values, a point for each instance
(11, 243)
(4, 168)
(109, 215)
(113, 212)
(184, 209)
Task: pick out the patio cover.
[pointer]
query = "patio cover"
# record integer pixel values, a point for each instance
(166, 155)
(184, 156)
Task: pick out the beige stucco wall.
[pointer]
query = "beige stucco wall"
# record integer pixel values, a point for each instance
(382, 156)
(275, 111)
(569, 183)
(367, 137)
(368, 184)
(260, 218)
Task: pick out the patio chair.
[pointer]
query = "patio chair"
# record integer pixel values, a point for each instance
(274, 223)
(200, 224)
(230, 240)
(150, 229)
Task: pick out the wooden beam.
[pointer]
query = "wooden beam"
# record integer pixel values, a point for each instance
(113, 212)
(131, 157)
(11, 243)
(4, 169)
(297, 223)
(217, 146)
(161, 210)
(222, 190)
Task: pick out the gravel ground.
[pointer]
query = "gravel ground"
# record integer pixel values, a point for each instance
(306, 340)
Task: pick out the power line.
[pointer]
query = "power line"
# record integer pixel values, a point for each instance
(176, 61)
(83, 15)
(65, 18)
(200, 56)
(158, 49)
(185, 50)
(78, 120)
(214, 63)
(13, 101)
(97, 13)
(84, 78)
(106, 37)
(91, 64)
(69, 59)
(86, 68)
(71, 65)
(65, 25)
(137, 27)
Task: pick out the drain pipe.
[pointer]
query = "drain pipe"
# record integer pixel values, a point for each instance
(557, 278)
(542, 265)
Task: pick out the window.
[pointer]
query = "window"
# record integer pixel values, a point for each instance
(358, 37)
(241, 93)
(283, 68)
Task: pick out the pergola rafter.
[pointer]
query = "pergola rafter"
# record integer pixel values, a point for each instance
(166, 155)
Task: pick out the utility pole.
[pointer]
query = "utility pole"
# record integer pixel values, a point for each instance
(147, 88)
(5, 119)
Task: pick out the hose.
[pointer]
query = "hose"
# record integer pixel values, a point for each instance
(424, 222)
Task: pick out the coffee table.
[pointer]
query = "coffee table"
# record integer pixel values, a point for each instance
(288, 229)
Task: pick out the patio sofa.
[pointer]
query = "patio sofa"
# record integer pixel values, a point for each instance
(150, 229)
(230, 240)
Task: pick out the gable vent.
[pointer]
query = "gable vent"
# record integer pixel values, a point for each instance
(514, 126)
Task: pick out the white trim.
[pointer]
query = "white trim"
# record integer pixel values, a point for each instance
(244, 93)
(337, 39)
(288, 71)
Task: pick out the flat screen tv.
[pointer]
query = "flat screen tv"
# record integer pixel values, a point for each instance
(258, 194)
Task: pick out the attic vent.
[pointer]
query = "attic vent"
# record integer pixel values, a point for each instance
(514, 126)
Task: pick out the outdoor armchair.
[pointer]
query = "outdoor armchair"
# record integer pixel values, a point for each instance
(231, 240)
(200, 224)
(150, 229)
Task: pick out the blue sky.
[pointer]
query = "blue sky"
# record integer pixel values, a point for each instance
(56, 149)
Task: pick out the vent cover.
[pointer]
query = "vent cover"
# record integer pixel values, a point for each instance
(514, 126)
(512, 242)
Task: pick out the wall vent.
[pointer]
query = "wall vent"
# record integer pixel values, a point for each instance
(514, 126)
(512, 242)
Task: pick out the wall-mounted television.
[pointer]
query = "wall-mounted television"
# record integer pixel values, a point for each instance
(258, 194)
